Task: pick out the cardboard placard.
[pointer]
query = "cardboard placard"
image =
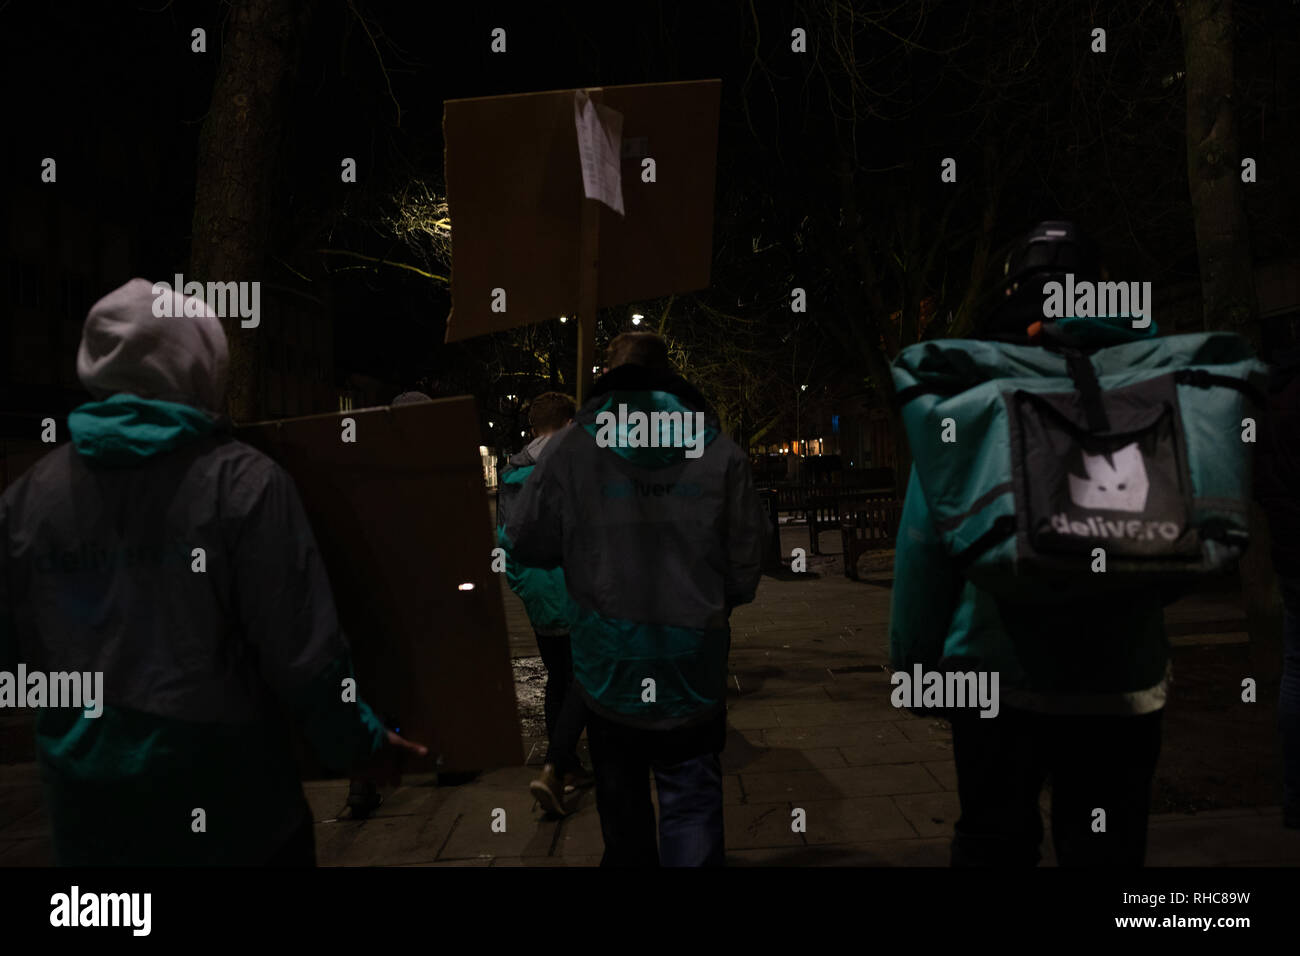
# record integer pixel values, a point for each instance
(515, 194)
(401, 517)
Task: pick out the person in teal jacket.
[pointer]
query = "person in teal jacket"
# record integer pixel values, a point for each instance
(176, 566)
(551, 612)
(1082, 685)
(651, 511)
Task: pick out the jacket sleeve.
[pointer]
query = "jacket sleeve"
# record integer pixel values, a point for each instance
(520, 581)
(516, 574)
(533, 534)
(1278, 435)
(507, 494)
(1264, 475)
(8, 632)
(926, 587)
(747, 529)
(287, 613)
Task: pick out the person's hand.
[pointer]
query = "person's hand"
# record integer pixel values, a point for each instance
(385, 768)
(401, 743)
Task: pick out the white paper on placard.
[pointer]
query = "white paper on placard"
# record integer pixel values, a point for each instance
(600, 135)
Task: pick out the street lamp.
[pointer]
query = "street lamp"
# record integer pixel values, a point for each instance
(798, 423)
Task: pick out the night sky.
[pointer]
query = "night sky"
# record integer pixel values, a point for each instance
(1012, 91)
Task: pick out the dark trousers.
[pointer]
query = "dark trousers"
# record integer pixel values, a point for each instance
(1093, 763)
(688, 777)
(1288, 702)
(563, 707)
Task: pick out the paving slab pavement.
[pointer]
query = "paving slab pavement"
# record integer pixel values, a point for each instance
(819, 768)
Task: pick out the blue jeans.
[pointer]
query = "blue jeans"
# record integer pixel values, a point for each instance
(1288, 698)
(688, 776)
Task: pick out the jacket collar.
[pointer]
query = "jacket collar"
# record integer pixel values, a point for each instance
(637, 378)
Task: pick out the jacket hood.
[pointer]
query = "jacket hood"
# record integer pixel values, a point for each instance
(529, 454)
(620, 409)
(127, 348)
(638, 378)
(124, 429)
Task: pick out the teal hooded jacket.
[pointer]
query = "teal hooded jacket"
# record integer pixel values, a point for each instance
(542, 590)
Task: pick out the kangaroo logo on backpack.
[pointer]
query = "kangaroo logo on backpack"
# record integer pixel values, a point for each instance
(1110, 506)
(1117, 489)
(1123, 489)
(1115, 483)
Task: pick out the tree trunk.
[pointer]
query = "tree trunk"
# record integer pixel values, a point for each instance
(1227, 272)
(1214, 171)
(902, 450)
(235, 178)
(964, 321)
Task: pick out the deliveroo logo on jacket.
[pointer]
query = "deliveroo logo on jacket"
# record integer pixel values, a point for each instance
(1116, 485)
(650, 489)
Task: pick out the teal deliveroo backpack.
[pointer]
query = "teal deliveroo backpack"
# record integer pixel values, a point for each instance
(1032, 458)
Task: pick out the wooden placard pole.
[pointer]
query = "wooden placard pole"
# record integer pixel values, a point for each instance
(588, 265)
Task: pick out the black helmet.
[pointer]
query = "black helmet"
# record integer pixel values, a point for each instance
(1044, 254)
(1051, 249)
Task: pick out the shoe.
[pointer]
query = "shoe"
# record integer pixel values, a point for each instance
(363, 799)
(579, 779)
(548, 791)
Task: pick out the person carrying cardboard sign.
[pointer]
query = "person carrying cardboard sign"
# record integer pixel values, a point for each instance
(658, 545)
(207, 609)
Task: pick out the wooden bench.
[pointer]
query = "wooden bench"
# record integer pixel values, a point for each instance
(870, 524)
(789, 497)
(822, 512)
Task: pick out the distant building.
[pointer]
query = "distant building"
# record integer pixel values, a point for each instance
(489, 459)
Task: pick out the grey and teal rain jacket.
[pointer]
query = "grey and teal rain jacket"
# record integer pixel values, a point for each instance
(657, 548)
(177, 562)
(546, 599)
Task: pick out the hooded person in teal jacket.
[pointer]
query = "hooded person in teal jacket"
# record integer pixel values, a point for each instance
(651, 511)
(551, 612)
(175, 563)
(1082, 684)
